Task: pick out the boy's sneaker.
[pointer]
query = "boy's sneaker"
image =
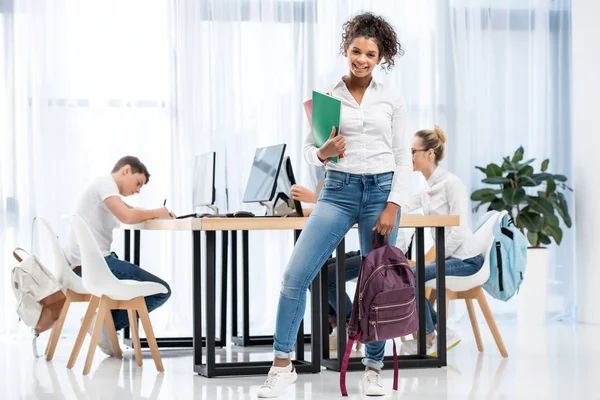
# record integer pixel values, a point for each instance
(104, 342)
(372, 384)
(278, 380)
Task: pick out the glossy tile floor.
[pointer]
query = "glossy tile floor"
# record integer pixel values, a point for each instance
(556, 361)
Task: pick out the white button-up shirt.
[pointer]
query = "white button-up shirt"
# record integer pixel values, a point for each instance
(376, 137)
(445, 194)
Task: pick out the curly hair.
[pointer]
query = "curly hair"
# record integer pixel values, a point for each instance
(374, 27)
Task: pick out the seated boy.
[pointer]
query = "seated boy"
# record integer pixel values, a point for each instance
(101, 206)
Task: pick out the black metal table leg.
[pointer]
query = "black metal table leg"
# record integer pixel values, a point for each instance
(210, 299)
(246, 339)
(420, 247)
(224, 266)
(340, 269)
(127, 257)
(441, 293)
(211, 368)
(197, 297)
(324, 300)
(127, 245)
(300, 334)
(234, 286)
(136, 260)
(180, 342)
(420, 360)
(316, 321)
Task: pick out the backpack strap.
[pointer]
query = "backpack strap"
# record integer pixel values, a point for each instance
(345, 364)
(17, 256)
(375, 242)
(395, 387)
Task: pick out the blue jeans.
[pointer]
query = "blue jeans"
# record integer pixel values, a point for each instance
(352, 267)
(346, 199)
(454, 267)
(126, 270)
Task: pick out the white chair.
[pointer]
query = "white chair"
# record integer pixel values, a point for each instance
(469, 287)
(113, 294)
(69, 282)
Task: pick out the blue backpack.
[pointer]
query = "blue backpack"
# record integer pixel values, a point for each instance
(508, 258)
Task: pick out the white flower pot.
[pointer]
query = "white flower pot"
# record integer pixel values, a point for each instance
(533, 293)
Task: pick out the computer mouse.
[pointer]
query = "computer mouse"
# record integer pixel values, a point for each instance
(242, 214)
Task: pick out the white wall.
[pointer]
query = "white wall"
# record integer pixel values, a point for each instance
(586, 147)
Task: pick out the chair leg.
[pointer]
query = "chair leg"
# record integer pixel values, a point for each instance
(87, 320)
(51, 347)
(431, 296)
(474, 324)
(102, 310)
(112, 332)
(135, 337)
(489, 318)
(145, 318)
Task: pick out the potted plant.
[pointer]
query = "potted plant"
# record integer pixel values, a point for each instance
(536, 204)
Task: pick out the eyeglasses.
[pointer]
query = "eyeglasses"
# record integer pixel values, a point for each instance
(413, 151)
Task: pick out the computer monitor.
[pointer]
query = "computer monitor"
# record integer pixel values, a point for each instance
(262, 181)
(294, 204)
(204, 180)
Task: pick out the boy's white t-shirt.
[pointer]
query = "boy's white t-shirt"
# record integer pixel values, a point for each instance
(93, 210)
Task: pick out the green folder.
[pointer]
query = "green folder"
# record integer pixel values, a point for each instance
(326, 113)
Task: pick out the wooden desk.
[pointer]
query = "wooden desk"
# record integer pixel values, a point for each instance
(319, 335)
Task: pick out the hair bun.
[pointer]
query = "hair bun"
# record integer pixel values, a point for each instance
(440, 133)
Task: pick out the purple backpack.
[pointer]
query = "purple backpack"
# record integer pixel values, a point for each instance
(384, 303)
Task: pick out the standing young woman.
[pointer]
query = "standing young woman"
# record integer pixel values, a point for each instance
(365, 187)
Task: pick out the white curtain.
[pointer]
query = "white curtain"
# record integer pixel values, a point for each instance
(90, 81)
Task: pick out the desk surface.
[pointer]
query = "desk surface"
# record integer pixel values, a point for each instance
(274, 223)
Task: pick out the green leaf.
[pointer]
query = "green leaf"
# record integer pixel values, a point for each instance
(541, 205)
(545, 165)
(540, 177)
(507, 165)
(531, 221)
(563, 209)
(497, 180)
(518, 156)
(544, 239)
(555, 232)
(485, 195)
(527, 181)
(551, 220)
(525, 164)
(533, 239)
(493, 170)
(512, 197)
(497, 205)
(550, 185)
(560, 178)
(481, 169)
(527, 170)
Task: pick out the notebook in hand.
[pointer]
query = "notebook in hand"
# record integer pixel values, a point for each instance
(324, 112)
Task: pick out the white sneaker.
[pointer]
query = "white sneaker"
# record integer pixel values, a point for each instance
(452, 340)
(333, 339)
(372, 384)
(104, 342)
(278, 379)
(410, 346)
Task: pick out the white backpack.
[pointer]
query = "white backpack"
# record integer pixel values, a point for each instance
(39, 297)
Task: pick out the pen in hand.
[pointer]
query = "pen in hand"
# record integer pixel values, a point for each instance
(165, 203)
